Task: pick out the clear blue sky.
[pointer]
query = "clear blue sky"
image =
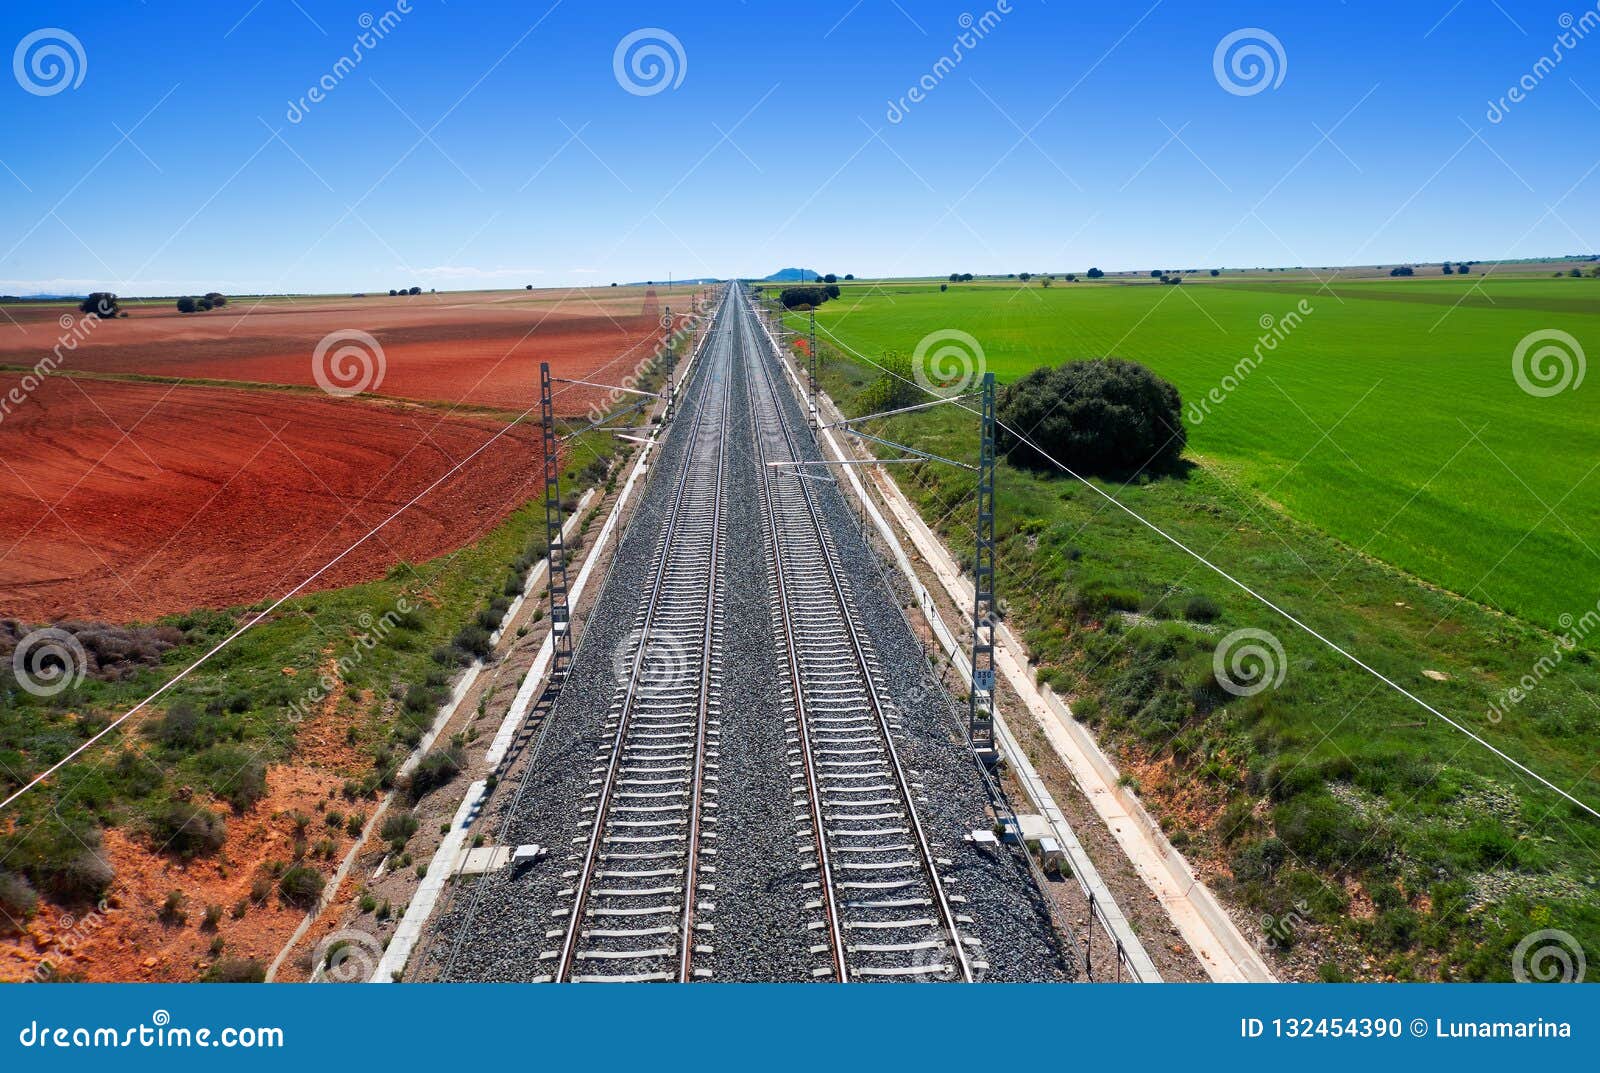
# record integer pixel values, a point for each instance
(491, 144)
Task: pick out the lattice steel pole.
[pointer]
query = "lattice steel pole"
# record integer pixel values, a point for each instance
(670, 360)
(811, 349)
(560, 613)
(980, 723)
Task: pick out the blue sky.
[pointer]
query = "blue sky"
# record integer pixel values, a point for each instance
(492, 144)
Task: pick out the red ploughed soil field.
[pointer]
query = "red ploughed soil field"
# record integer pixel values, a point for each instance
(480, 349)
(123, 500)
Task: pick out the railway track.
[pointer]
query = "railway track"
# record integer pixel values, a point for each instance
(883, 909)
(636, 898)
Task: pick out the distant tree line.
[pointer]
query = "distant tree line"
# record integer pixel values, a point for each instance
(807, 297)
(213, 300)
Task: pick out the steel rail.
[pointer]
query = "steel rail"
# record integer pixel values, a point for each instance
(830, 905)
(584, 886)
(925, 852)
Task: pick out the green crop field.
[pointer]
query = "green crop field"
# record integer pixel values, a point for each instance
(1388, 416)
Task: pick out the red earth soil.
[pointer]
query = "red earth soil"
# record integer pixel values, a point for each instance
(479, 349)
(122, 501)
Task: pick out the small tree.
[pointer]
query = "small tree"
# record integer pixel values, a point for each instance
(849, 275)
(1071, 277)
(217, 299)
(1215, 272)
(830, 278)
(186, 305)
(1094, 273)
(943, 287)
(1024, 276)
(1108, 417)
(102, 304)
(416, 290)
(1156, 273)
(1447, 270)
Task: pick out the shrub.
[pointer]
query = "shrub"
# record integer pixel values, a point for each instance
(235, 971)
(398, 828)
(1201, 608)
(300, 886)
(172, 912)
(187, 305)
(212, 918)
(1321, 831)
(79, 877)
(1107, 417)
(217, 299)
(1259, 861)
(260, 887)
(188, 830)
(236, 775)
(179, 729)
(473, 641)
(435, 769)
(895, 388)
(17, 897)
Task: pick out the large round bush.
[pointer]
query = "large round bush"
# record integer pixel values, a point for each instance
(1108, 417)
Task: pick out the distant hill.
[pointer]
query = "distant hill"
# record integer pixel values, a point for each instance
(792, 275)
